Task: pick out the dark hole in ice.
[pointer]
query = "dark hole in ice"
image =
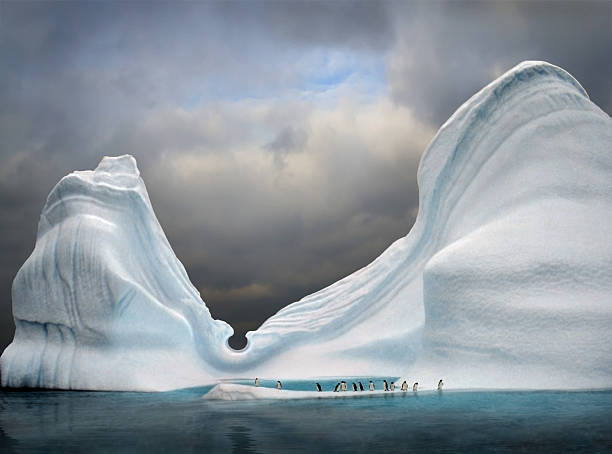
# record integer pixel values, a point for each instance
(237, 341)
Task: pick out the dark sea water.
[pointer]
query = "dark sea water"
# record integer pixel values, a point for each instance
(431, 422)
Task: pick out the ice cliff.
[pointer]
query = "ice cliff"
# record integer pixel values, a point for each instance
(505, 280)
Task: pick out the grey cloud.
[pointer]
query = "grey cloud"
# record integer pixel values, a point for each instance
(447, 51)
(143, 50)
(288, 140)
(361, 25)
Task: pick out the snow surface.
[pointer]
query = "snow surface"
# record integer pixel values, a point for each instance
(504, 281)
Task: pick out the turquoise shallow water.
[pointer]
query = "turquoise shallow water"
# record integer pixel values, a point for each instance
(466, 421)
(327, 383)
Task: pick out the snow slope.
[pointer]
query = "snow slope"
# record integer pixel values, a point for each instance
(505, 280)
(102, 302)
(518, 291)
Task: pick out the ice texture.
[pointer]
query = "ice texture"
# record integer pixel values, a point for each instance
(505, 279)
(103, 302)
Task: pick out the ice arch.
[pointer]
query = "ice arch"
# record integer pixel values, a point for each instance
(504, 280)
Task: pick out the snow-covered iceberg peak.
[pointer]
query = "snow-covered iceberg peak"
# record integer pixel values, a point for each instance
(505, 280)
(103, 302)
(517, 288)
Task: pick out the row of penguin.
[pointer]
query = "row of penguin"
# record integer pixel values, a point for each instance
(341, 386)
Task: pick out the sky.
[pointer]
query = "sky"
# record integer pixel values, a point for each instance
(279, 141)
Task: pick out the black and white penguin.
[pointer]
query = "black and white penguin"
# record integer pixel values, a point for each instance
(404, 386)
(337, 386)
(360, 387)
(440, 385)
(343, 385)
(415, 386)
(386, 385)
(354, 387)
(256, 381)
(279, 385)
(318, 387)
(371, 385)
(392, 387)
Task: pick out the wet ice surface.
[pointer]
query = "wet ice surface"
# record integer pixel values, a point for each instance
(468, 421)
(327, 383)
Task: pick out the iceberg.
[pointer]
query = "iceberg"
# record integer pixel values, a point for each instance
(504, 281)
(103, 302)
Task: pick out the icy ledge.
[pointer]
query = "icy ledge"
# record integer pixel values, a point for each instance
(505, 280)
(233, 391)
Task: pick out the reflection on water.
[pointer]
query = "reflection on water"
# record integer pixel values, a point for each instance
(241, 440)
(428, 422)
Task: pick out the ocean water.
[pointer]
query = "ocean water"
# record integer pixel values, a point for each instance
(180, 421)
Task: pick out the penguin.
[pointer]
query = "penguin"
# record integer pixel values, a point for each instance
(415, 386)
(279, 385)
(354, 387)
(371, 385)
(256, 381)
(343, 385)
(392, 386)
(440, 385)
(318, 387)
(386, 385)
(360, 387)
(337, 386)
(404, 386)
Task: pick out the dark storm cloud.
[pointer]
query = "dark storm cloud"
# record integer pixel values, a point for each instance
(447, 51)
(288, 140)
(265, 131)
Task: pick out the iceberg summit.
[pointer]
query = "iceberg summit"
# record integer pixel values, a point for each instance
(504, 281)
